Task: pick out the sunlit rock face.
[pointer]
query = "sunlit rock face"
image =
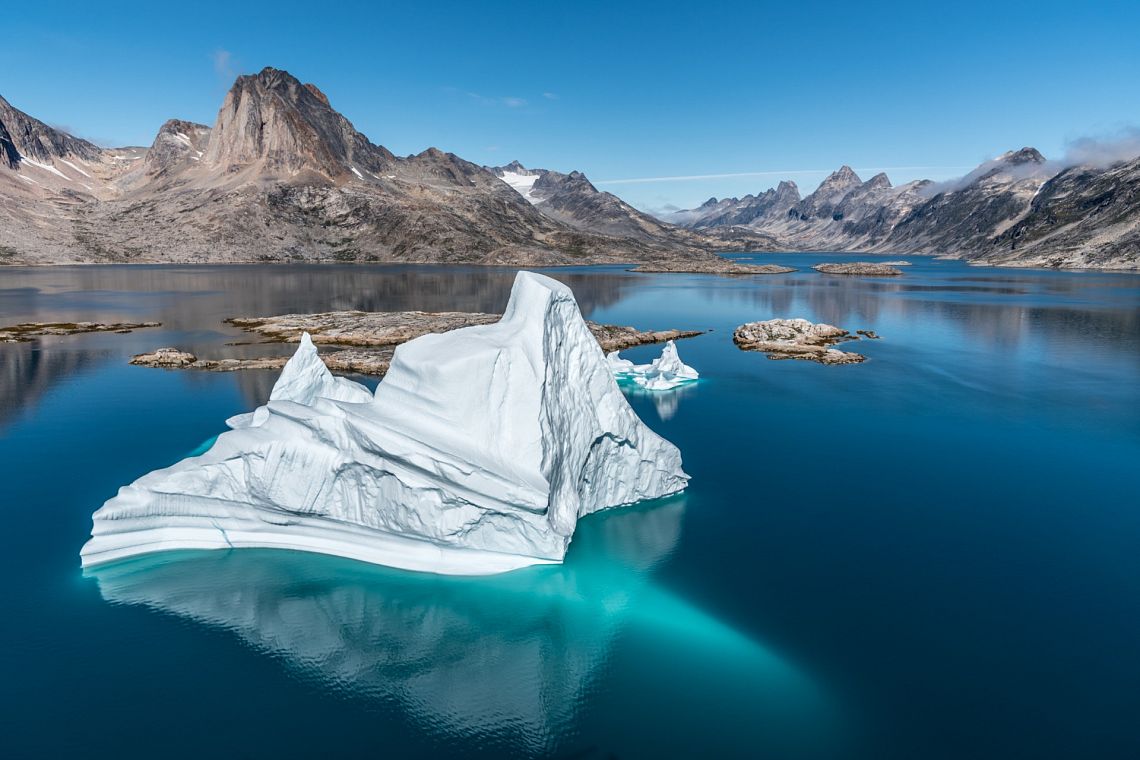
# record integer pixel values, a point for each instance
(478, 453)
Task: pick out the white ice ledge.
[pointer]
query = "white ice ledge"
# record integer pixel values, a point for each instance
(478, 453)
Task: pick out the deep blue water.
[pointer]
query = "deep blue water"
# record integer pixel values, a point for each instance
(932, 554)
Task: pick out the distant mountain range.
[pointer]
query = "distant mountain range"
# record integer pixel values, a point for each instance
(282, 176)
(1018, 209)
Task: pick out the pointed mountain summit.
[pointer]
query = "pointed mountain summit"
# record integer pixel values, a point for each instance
(821, 203)
(837, 184)
(1023, 156)
(177, 143)
(275, 122)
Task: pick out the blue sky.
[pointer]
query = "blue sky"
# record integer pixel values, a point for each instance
(621, 91)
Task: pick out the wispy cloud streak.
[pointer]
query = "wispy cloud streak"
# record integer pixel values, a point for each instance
(779, 173)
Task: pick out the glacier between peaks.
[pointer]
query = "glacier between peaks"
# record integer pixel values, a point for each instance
(478, 453)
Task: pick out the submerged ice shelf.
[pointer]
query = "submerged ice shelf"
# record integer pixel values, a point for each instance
(662, 374)
(478, 453)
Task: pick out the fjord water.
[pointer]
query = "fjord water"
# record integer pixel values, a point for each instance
(930, 554)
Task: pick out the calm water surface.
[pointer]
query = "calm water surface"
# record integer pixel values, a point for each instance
(931, 554)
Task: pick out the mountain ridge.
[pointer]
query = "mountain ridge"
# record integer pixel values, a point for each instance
(1018, 209)
(282, 176)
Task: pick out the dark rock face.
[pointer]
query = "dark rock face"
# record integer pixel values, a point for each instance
(8, 154)
(966, 216)
(32, 138)
(1084, 216)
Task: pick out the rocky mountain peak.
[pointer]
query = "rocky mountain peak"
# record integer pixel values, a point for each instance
(273, 120)
(879, 182)
(840, 180)
(788, 190)
(1024, 156)
(177, 141)
(23, 135)
(514, 167)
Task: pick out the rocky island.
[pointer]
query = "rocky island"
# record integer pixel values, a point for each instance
(863, 268)
(796, 339)
(724, 266)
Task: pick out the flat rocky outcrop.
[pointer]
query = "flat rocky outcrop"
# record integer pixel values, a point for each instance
(712, 267)
(864, 268)
(371, 338)
(371, 361)
(26, 331)
(796, 339)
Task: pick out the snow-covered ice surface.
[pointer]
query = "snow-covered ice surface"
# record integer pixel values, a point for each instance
(664, 373)
(46, 167)
(478, 453)
(523, 183)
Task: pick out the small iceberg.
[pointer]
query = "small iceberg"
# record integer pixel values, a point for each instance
(478, 453)
(664, 373)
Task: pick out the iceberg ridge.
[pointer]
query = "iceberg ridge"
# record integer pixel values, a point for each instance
(478, 453)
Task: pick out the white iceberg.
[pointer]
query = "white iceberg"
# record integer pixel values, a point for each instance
(662, 374)
(478, 453)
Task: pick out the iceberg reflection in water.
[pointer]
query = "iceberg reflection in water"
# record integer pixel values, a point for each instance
(514, 662)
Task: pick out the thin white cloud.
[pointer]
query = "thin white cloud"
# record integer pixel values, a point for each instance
(550, 96)
(1103, 150)
(780, 173)
(224, 64)
(509, 101)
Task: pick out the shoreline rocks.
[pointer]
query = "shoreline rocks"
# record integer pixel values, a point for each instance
(862, 268)
(353, 361)
(796, 339)
(365, 341)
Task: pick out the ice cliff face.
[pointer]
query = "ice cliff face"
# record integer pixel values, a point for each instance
(477, 454)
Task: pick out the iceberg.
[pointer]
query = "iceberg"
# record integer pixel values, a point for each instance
(664, 373)
(477, 453)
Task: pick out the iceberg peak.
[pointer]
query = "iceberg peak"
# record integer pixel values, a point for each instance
(479, 451)
(664, 373)
(305, 378)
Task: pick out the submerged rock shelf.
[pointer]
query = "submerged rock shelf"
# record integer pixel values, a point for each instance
(26, 331)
